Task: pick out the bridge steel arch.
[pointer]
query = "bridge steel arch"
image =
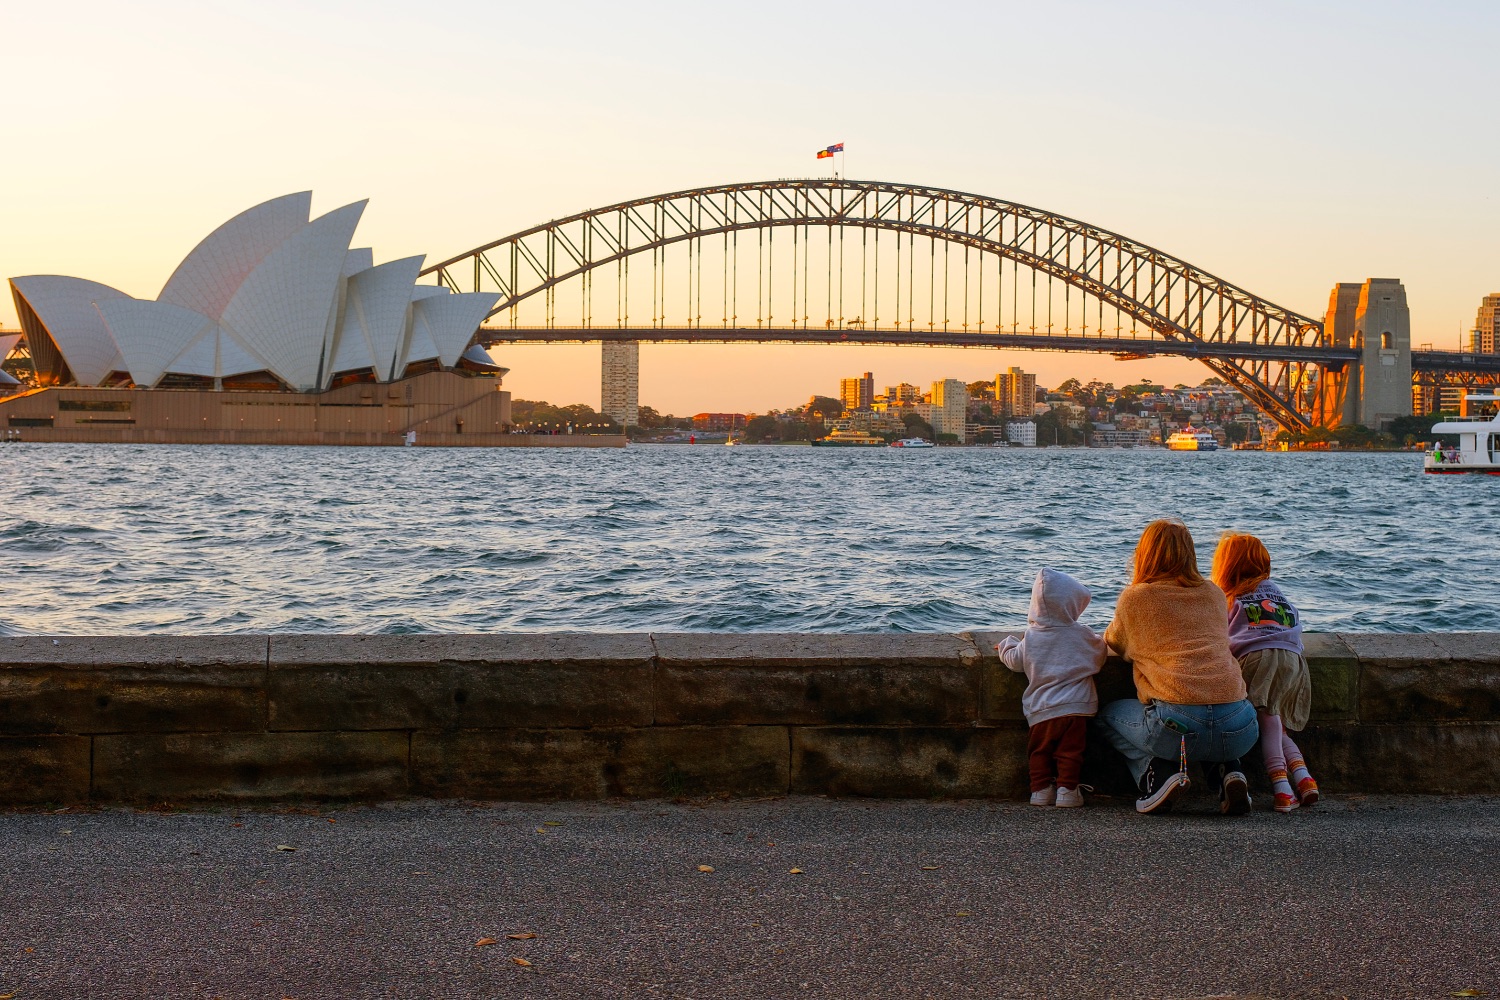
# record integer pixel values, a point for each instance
(1250, 342)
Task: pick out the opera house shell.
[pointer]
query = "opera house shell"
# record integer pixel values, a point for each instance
(271, 302)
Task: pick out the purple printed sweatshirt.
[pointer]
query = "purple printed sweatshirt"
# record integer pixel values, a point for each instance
(1264, 619)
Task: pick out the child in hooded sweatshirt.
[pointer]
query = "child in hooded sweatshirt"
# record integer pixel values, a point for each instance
(1059, 658)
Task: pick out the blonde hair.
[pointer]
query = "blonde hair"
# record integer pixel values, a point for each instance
(1241, 563)
(1166, 552)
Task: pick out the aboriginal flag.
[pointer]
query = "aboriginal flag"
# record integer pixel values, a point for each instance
(837, 147)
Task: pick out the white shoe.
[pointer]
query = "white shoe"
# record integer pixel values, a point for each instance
(1069, 798)
(1046, 797)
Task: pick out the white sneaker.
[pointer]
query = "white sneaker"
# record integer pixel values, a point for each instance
(1046, 797)
(1069, 798)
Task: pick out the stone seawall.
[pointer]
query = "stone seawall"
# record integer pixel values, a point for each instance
(538, 716)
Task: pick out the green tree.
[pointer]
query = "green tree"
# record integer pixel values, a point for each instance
(1237, 432)
(981, 390)
(917, 427)
(762, 428)
(826, 407)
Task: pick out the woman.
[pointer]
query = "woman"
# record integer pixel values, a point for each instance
(1170, 625)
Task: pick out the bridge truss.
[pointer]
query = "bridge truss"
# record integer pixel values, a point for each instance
(842, 261)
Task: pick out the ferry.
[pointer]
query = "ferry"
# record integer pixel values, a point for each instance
(850, 439)
(1193, 439)
(1478, 444)
(913, 443)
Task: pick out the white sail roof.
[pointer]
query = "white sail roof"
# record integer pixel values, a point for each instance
(452, 319)
(216, 354)
(375, 308)
(282, 309)
(151, 334)
(208, 278)
(358, 259)
(66, 308)
(8, 343)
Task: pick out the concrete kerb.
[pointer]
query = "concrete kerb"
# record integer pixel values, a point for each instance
(638, 715)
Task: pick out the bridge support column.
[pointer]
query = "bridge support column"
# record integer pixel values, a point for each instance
(1374, 319)
(620, 382)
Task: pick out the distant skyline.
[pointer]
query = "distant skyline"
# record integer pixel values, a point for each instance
(1282, 147)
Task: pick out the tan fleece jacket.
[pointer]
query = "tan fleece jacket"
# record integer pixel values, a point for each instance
(1177, 639)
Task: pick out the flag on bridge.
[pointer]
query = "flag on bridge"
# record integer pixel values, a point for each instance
(837, 147)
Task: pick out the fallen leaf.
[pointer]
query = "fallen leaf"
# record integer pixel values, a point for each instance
(520, 961)
(236, 824)
(963, 913)
(705, 868)
(7, 996)
(523, 936)
(931, 868)
(332, 820)
(552, 823)
(795, 871)
(485, 941)
(1460, 993)
(541, 829)
(288, 848)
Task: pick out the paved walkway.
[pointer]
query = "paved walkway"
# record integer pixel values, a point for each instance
(1361, 897)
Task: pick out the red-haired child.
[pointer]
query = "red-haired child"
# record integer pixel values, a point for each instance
(1265, 635)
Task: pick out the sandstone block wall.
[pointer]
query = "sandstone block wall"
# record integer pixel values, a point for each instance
(535, 716)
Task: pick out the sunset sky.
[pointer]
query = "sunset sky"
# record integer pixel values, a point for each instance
(1281, 146)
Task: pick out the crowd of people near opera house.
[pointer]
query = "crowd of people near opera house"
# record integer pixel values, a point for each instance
(1218, 663)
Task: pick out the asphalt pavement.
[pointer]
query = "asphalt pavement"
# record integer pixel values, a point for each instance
(806, 897)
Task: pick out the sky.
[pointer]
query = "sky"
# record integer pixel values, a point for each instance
(1282, 146)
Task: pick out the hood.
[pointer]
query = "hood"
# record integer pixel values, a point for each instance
(1057, 599)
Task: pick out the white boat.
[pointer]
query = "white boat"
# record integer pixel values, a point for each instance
(1478, 444)
(1193, 439)
(912, 443)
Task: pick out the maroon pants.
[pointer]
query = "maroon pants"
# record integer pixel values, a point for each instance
(1056, 751)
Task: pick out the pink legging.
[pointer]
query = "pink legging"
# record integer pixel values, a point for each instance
(1275, 745)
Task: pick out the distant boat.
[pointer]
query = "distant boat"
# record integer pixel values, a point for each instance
(1193, 439)
(912, 443)
(850, 439)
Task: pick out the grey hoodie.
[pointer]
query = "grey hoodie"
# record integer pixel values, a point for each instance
(1058, 656)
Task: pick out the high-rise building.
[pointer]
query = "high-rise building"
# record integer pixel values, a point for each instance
(1015, 393)
(1485, 337)
(857, 393)
(902, 395)
(620, 382)
(950, 407)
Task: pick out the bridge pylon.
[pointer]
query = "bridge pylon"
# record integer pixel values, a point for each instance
(1374, 389)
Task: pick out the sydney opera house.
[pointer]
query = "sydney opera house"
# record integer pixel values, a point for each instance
(273, 330)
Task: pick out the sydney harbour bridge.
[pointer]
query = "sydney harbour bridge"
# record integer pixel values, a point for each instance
(838, 261)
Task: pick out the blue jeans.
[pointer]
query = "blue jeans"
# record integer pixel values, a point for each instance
(1214, 732)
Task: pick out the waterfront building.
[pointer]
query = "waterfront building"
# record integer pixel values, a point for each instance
(950, 407)
(273, 330)
(718, 421)
(620, 382)
(871, 422)
(1015, 393)
(270, 298)
(1112, 436)
(1021, 432)
(1485, 337)
(857, 393)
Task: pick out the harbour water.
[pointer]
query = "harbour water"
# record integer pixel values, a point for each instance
(99, 539)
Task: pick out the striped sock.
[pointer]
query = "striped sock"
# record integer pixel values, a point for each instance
(1279, 783)
(1298, 768)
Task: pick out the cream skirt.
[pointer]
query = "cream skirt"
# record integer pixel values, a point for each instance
(1278, 682)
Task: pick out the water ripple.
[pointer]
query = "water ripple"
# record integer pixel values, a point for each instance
(171, 539)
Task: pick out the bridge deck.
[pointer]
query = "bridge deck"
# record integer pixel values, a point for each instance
(1139, 346)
